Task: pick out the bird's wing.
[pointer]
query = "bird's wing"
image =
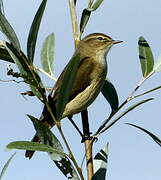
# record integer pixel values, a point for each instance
(82, 79)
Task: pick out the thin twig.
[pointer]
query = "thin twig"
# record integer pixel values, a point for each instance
(128, 99)
(76, 33)
(90, 2)
(71, 154)
(58, 124)
(12, 80)
(140, 83)
(44, 72)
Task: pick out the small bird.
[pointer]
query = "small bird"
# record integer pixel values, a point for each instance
(89, 80)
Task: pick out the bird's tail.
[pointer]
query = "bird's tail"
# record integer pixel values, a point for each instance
(47, 120)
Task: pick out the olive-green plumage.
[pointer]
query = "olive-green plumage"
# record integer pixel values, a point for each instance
(89, 80)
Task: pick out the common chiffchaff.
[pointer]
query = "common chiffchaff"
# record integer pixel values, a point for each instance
(89, 80)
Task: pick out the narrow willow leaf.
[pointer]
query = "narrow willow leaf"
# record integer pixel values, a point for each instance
(154, 137)
(9, 32)
(109, 92)
(45, 135)
(151, 90)
(58, 156)
(67, 168)
(146, 57)
(75, 2)
(4, 55)
(100, 164)
(39, 92)
(86, 14)
(21, 64)
(47, 54)
(124, 113)
(6, 166)
(96, 5)
(67, 84)
(33, 146)
(1, 7)
(84, 19)
(157, 65)
(32, 38)
(27, 72)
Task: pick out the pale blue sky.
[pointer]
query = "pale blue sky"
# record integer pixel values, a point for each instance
(132, 154)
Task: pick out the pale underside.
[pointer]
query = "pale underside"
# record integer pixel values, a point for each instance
(88, 83)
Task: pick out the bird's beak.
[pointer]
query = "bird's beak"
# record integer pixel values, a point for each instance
(117, 41)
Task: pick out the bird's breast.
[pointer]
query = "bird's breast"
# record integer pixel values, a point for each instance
(89, 81)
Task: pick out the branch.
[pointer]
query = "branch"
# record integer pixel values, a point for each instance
(44, 72)
(89, 158)
(58, 125)
(76, 33)
(88, 144)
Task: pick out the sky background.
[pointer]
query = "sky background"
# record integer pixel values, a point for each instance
(132, 154)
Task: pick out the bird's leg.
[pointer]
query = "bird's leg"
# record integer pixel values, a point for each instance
(85, 124)
(76, 127)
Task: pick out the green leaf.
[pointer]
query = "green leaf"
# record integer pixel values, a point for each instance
(86, 14)
(33, 146)
(109, 92)
(21, 63)
(47, 137)
(67, 168)
(58, 156)
(75, 2)
(100, 164)
(4, 55)
(84, 19)
(6, 166)
(95, 5)
(157, 65)
(32, 38)
(67, 84)
(27, 72)
(38, 91)
(154, 137)
(123, 114)
(1, 7)
(47, 54)
(9, 32)
(146, 57)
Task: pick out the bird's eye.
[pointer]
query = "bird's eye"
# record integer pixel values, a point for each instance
(100, 38)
